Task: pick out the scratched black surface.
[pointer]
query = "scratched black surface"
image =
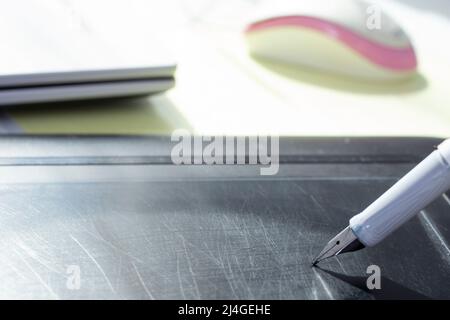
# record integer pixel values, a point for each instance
(214, 238)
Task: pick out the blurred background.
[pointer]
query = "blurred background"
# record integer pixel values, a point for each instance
(220, 89)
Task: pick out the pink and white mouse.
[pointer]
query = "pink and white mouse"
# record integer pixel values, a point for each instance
(341, 37)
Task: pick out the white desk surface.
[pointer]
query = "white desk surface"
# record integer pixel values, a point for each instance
(220, 90)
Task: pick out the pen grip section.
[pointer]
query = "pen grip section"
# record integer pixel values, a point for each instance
(426, 182)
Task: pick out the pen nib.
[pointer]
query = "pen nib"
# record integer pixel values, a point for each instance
(345, 241)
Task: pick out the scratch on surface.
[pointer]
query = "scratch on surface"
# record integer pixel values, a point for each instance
(446, 198)
(109, 244)
(301, 189)
(243, 280)
(271, 244)
(208, 254)
(95, 262)
(185, 241)
(244, 232)
(46, 286)
(324, 285)
(35, 256)
(16, 271)
(180, 281)
(39, 237)
(142, 282)
(231, 280)
(340, 264)
(314, 293)
(119, 272)
(317, 203)
(231, 284)
(191, 271)
(442, 246)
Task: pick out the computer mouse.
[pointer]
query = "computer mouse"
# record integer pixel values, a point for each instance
(340, 37)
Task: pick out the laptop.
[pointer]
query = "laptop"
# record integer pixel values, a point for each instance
(50, 52)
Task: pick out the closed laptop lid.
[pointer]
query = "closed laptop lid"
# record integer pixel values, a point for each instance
(50, 42)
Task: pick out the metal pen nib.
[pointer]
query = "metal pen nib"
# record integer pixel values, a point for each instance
(345, 241)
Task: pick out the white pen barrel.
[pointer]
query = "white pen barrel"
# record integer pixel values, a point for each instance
(426, 182)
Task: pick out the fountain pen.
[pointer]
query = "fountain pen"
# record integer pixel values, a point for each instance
(412, 193)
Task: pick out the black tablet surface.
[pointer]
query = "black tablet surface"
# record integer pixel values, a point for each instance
(112, 217)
